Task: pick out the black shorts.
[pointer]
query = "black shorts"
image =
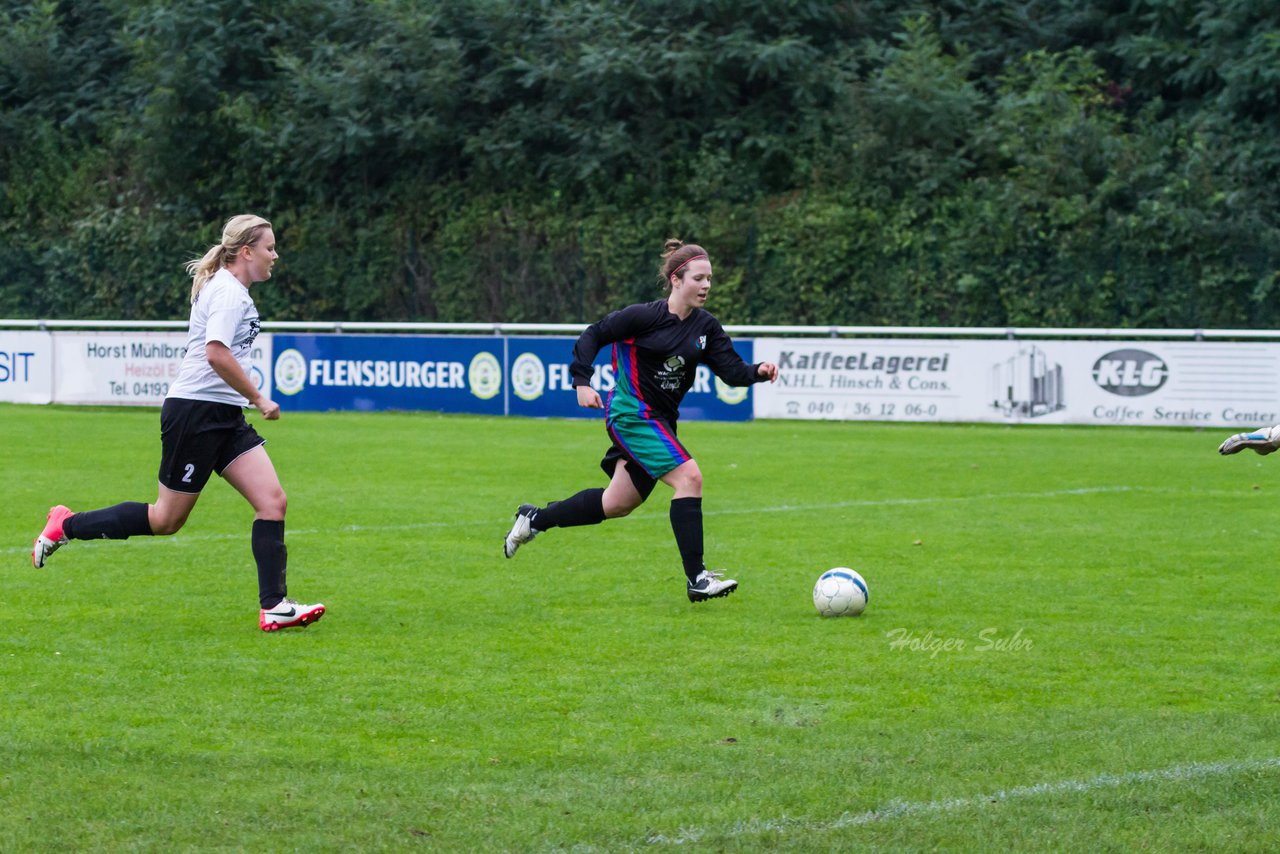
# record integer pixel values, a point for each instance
(640, 478)
(198, 438)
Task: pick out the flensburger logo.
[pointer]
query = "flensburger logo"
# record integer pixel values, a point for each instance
(1130, 373)
(730, 394)
(290, 372)
(484, 375)
(528, 377)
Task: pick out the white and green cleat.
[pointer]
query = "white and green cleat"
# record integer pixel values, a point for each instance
(522, 531)
(710, 585)
(1264, 441)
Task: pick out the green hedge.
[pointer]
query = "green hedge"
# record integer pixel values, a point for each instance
(985, 163)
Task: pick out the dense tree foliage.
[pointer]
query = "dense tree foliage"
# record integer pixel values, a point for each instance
(1052, 162)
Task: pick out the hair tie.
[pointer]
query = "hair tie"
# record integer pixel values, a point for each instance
(686, 261)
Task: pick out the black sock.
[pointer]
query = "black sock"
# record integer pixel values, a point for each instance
(118, 522)
(585, 508)
(686, 523)
(270, 553)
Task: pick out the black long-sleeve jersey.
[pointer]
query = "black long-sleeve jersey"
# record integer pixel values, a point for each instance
(655, 355)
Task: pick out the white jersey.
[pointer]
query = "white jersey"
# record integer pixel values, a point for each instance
(224, 312)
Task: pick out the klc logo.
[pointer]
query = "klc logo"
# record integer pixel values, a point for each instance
(1130, 373)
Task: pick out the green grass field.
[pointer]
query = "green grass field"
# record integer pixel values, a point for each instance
(1070, 646)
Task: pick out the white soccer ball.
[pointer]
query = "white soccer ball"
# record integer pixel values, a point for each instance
(840, 592)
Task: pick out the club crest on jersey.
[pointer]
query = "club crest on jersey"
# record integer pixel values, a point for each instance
(671, 374)
(702, 342)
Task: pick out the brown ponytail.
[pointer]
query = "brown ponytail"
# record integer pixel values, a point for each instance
(675, 254)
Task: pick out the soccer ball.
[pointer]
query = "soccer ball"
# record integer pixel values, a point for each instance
(840, 592)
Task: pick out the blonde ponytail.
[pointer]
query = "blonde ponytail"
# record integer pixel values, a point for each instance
(241, 230)
(202, 268)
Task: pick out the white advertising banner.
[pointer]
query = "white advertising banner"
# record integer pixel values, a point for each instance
(26, 367)
(131, 368)
(1193, 383)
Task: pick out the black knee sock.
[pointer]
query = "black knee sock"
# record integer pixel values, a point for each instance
(686, 523)
(585, 508)
(270, 553)
(118, 522)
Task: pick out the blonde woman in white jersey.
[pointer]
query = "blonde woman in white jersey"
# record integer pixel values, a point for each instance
(203, 429)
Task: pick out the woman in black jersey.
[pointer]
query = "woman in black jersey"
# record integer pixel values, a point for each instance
(657, 347)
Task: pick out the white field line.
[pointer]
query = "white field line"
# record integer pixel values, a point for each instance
(498, 523)
(934, 499)
(908, 809)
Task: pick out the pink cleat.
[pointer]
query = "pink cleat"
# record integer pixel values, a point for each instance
(51, 538)
(288, 613)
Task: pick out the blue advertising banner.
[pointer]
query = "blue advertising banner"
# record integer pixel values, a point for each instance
(374, 372)
(26, 367)
(541, 384)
